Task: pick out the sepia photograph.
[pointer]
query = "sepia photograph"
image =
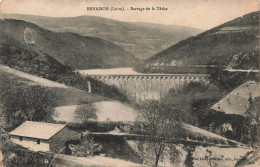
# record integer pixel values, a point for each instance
(129, 83)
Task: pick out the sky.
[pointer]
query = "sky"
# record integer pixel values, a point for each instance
(203, 14)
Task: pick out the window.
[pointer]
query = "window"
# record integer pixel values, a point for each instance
(38, 141)
(21, 138)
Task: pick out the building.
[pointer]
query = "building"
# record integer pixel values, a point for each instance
(40, 136)
(239, 110)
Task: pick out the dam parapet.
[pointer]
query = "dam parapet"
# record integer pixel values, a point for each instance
(149, 86)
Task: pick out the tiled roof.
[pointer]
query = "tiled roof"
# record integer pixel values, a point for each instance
(39, 130)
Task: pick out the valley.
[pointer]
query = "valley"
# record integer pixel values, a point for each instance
(67, 48)
(114, 93)
(140, 39)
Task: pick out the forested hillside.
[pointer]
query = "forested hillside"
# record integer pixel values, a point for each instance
(69, 49)
(18, 56)
(218, 46)
(141, 39)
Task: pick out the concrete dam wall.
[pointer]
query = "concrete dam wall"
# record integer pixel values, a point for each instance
(150, 86)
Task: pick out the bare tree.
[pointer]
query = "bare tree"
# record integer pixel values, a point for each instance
(86, 112)
(160, 127)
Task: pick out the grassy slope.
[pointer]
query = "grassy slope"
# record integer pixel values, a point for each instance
(19, 56)
(74, 50)
(141, 39)
(237, 101)
(65, 95)
(214, 46)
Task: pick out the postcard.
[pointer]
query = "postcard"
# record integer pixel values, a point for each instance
(168, 83)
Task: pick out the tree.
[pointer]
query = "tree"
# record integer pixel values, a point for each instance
(229, 80)
(253, 113)
(22, 101)
(161, 127)
(86, 112)
(3, 133)
(88, 147)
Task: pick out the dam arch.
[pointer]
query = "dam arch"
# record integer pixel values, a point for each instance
(149, 86)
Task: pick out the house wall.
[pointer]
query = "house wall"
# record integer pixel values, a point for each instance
(31, 143)
(59, 139)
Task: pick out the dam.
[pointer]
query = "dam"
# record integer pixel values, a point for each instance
(140, 86)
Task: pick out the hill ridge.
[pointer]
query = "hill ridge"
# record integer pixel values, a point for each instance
(63, 45)
(140, 40)
(209, 47)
